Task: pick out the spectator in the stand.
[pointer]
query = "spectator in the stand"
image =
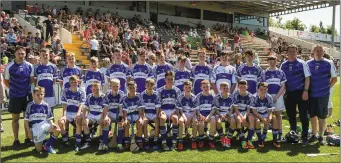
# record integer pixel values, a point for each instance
(54, 11)
(22, 41)
(155, 44)
(17, 27)
(58, 54)
(237, 61)
(38, 40)
(36, 9)
(236, 40)
(94, 46)
(219, 47)
(152, 60)
(107, 45)
(11, 38)
(167, 24)
(190, 33)
(49, 27)
(195, 33)
(207, 35)
(5, 24)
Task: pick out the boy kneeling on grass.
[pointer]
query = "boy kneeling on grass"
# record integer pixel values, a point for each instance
(39, 119)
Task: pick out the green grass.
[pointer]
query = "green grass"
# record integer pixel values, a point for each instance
(287, 153)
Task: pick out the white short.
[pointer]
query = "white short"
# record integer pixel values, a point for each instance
(40, 131)
(133, 118)
(150, 116)
(243, 113)
(279, 105)
(70, 116)
(168, 113)
(224, 114)
(51, 101)
(188, 115)
(330, 102)
(264, 115)
(112, 116)
(94, 118)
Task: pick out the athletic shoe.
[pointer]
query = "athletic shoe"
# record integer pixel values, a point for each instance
(16, 143)
(211, 144)
(276, 145)
(155, 146)
(105, 147)
(126, 147)
(282, 139)
(223, 141)
(261, 144)
(304, 141)
(140, 145)
(85, 146)
(244, 145)
(194, 145)
(180, 146)
(119, 148)
(100, 147)
(174, 146)
(77, 149)
(165, 147)
(29, 142)
(312, 139)
(201, 144)
(321, 141)
(65, 144)
(227, 142)
(250, 144)
(49, 149)
(146, 146)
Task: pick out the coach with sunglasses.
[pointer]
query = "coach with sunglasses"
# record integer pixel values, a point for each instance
(19, 75)
(297, 85)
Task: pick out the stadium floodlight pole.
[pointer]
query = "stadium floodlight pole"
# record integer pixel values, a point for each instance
(333, 25)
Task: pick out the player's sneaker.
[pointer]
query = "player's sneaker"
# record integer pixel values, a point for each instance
(282, 139)
(126, 147)
(77, 149)
(321, 141)
(146, 145)
(28, 142)
(165, 147)
(261, 144)
(100, 147)
(155, 146)
(244, 145)
(105, 147)
(304, 141)
(85, 146)
(211, 144)
(312, 139)
(194, 145)
(201, 144)
(174, 145)
(49, 149)
(140, 145)
(276, 145)
(180, 146)
(250, 144)
(16, 143)
(223, 141)
(119, 148)
(227, 142)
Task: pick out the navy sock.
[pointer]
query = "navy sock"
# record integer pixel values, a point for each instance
(265, 132)
(127, 140)
(78, 140)
(139, 139)
(65, 137)
(105, 135)
(274, 134)
(87, 138)
(220, 132)
(201, 137)
(51, 140)
(280, 133)
(175, 130)
(163, 133)
(250, 134)
(259, 134)
(120, 135)
(241, 134)
(230, 133)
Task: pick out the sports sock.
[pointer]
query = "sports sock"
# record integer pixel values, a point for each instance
(274, 134)
(259, 134)
(175, 133)
(127, 140)
(265, 132)
(139, 139)
(280, 133)
(250, 134)
(78, 140)
(87, 138)
(163, 133)
(201, 137)
(105, 135)
(220, 132)
(227, 125)
(65, 137)
(120, 135)
(51, 140)
(230, 133)
(241, 134)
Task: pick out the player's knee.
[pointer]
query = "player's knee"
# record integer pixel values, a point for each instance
(251, 118)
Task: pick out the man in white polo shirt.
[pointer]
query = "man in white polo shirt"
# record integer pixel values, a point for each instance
(94, 46)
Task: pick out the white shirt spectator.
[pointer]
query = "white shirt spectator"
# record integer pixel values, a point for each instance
(207, 33)
(94, 44)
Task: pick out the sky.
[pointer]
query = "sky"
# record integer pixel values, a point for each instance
(313, 17)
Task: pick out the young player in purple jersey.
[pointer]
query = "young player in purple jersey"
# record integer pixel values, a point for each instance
(160, 69)
(118, 69)
(112, 113)
(323, 77)
(93, 75)
(167, 96)
(222, 103)
(186, 104)
(151, 107)
(224, 72)
(141, 71)
(92, 111)
(276, 79)
(262, 108)
(69, 70)
(73, 99)
(45, 75)
(204, 103)
(241, 106)
(39, 119)
(132, 105)
(200, 72)
(181, 74)
(250, 72)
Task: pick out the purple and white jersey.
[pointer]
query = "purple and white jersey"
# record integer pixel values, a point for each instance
(223, 74)
(200, 73)
(150, 102)
(186, 104)
(159, 72)
(251, 74)
(45, 75)
(274, 78)
(242, 102)
(66, 73)
(180, 77)
(90, 77)
(222, 104)
(295, 72)
(73, 100)
(140, 73)
(262, 105)
(95, 104)
(167, 97)
(112, 102)
(132, 104)
(119, 71)
(321, 72)
(19, 76)
(204, 103)
(36, 113)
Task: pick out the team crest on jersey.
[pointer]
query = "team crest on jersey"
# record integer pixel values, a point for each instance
(206, 101)
(317, 67)
(21, 69)
(242, 101)
(290, 68)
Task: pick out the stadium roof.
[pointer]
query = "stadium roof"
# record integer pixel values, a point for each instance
(276, 8)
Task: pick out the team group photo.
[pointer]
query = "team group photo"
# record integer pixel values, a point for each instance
(187, 81)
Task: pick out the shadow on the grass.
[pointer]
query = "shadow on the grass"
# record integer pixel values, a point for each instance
(33, 152)
(7, 119)
(9, 147)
